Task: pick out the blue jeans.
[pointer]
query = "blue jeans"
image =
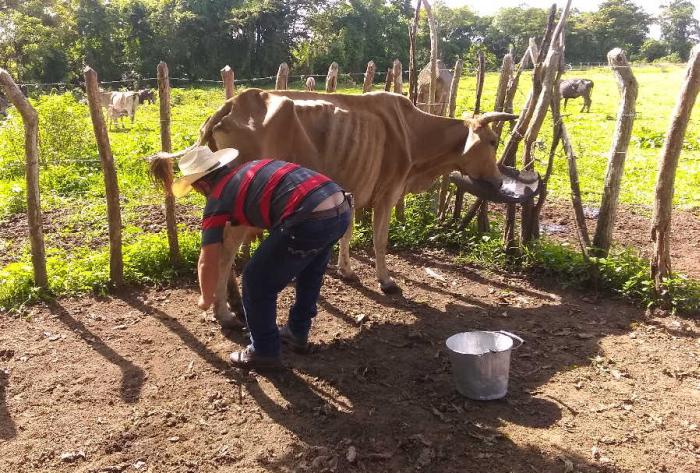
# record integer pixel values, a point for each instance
(300, 252)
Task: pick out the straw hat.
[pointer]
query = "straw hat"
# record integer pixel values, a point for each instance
(197, 163)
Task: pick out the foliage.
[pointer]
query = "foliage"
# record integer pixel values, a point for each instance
(679, 27)
(653, 49)
(51, 40)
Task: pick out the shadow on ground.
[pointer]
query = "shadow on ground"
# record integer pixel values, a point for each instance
(388, 392)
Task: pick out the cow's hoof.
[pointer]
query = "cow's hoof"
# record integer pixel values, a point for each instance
(228, 320)
(348, 276)
(390, 287)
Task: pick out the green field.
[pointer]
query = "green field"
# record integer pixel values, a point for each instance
(73, 196)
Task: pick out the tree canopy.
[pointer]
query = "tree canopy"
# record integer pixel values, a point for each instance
(52, 40)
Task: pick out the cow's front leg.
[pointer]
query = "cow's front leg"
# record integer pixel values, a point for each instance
(233, 236)
(344, 266)
(380, 227)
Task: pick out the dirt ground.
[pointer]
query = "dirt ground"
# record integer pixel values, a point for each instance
(138, 382)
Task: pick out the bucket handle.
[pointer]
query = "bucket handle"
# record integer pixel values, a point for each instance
(513, 336)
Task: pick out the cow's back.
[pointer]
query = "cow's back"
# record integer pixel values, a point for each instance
(358, 141)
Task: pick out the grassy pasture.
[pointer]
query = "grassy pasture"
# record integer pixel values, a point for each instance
(72, 188)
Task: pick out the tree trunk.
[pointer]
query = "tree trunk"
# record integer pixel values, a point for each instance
(166, 145)
(668, 163)
(627, 84)
(114, 218)
(30, 118)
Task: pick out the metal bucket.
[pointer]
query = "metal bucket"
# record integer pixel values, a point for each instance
(481, 362)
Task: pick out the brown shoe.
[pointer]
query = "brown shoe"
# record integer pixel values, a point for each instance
(248, 359)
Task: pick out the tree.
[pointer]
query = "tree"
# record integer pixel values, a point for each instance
(653, 49)
(618, 24)
(679, 27)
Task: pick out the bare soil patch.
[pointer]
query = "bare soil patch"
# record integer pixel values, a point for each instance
(138, 382)
(633, 230)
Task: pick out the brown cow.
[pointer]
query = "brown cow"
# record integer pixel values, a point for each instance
(377, 146)
(442, 94)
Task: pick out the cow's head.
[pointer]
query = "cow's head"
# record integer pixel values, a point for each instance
(479, 155)
(483, 176)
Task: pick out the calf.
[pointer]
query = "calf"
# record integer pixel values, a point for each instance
(574, 88)
(146, 95)
(310, 84)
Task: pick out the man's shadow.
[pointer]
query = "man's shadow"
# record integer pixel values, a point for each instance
(7, 425)
(133, 376)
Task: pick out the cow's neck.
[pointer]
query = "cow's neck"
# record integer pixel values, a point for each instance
(438, 137)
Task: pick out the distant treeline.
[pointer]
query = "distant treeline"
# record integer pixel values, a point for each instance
(52, 40)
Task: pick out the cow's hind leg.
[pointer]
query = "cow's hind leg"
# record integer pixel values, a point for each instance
(586, 104)
(233, 237)
(344, 266)
(380, 227)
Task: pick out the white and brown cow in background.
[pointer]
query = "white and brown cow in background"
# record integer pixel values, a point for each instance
(377, 146)
(122, 104)
(442, 94)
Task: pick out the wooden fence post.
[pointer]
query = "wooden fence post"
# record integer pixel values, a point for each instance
(332, 78)
(30, 118)
(412, 73)
(627, 84)
(369, 77)
(503, 82)
(451, 108)
(668, 163)
(432, 90)
(389, 79)
(282, 76)
(114, 217)
(398, 77)
(166, 145)
(227, 76)
(480, 72)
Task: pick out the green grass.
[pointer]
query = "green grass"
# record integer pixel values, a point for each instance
(73, 192)
(591, 134)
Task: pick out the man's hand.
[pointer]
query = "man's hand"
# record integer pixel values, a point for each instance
(203, 303)
(208, 274)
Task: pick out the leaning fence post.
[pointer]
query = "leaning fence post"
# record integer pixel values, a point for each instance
(282, 76)
(668, 163)
(369, 77)
(166, 145)
(616, 163)
(332, 78)
(432, 90)
(30, 118)
(227, 76)
(451, 109)
(389, 79)
(114, 217)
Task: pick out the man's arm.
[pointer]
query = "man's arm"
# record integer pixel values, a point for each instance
(208, 269)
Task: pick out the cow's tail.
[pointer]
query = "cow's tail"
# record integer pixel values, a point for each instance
(161, 164)
(161, 167)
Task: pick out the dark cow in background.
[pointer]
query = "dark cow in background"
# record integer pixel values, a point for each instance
(146, 95)
(4, 104)
(574, 88)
